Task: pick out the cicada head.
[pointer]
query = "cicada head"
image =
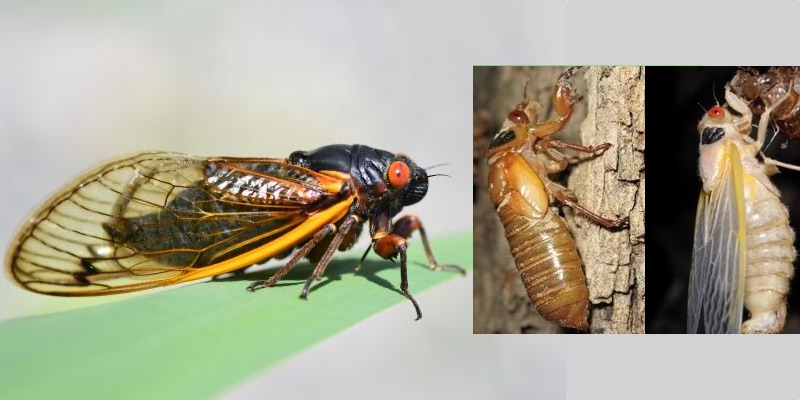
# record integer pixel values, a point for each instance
(719, 123)
(409, 179)
(407, 182)
(515, 127)
(718, 127)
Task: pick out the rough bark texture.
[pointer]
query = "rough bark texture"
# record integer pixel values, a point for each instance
(611, 185)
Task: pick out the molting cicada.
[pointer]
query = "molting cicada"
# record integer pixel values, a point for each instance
(743, 246)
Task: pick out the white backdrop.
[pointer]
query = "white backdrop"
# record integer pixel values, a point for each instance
(89, 81)
(82, 84)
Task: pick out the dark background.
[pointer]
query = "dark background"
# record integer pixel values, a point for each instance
(673, 100)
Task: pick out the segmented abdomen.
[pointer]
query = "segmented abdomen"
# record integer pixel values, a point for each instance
(548, 262)
(770, 258)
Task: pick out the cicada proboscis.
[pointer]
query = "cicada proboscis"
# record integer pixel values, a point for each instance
(521, 158)
(743, 245)
(158, 219)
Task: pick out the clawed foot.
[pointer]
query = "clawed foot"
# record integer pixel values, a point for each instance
(266, 283)
(599, 149)
(451, 267)
(620, 224)
(257, 285)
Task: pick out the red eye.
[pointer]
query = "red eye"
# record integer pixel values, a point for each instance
(399, 174)
(518, 116)
(716, 112)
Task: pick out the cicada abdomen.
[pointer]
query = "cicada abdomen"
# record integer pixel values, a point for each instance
(770, 261)
(521, 156)
(541, 244)
(743, 248)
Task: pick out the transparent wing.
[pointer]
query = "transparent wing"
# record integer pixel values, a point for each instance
(716, 282)
(155, 218)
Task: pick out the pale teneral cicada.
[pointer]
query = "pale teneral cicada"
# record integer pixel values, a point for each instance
(158, 219)
(743, 245)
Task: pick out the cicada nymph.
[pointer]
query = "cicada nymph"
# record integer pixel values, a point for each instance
(743, 246)
(158, 219)
(521, 157)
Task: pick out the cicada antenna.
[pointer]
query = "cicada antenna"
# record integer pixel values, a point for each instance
(436, 166)
(525, 91)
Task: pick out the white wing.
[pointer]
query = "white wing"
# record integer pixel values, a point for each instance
(716, 283)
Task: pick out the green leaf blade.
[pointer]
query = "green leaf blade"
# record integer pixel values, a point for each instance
(199, 340)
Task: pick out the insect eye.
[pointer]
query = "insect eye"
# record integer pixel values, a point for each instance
(716, 112)
(518, 116)
(399, 174)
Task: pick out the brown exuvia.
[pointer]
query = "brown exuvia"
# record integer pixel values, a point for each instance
(521, 156)
(778, 86)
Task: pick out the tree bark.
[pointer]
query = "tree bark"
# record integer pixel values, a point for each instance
(611, 185)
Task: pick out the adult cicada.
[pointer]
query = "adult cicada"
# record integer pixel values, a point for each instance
(158, 219)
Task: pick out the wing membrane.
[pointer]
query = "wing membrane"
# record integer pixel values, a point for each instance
(160, 218)
(716, 283)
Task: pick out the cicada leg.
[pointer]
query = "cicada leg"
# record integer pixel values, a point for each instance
(389, 247)
(551, 148)
(741, 106)
(566, 197)
(395, 242)
(298, 256)
(564, 97)
(588, 151)
(318, 238)
(404, 227)
(763, 124)
(326, 258)
(363, 257)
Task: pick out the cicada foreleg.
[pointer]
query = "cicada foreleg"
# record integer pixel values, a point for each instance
(389, 247)
(740, 105)
(742, 123)
(566, 197)
(406, 225)
(564, 97)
